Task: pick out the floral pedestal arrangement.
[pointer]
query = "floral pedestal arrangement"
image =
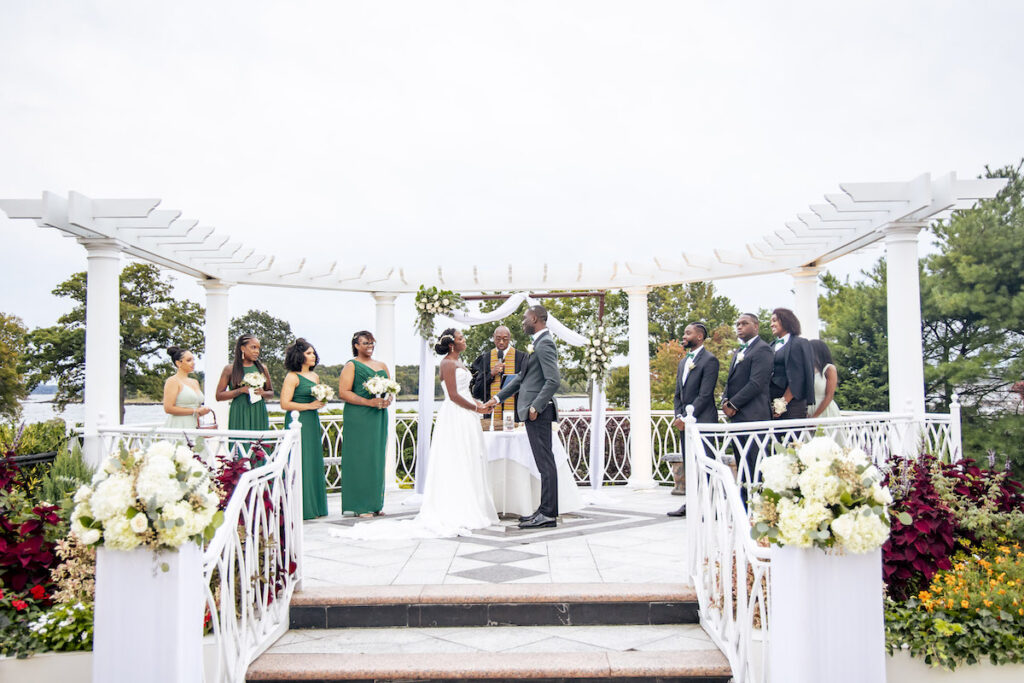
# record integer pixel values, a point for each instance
(825, 507)
(826, 616)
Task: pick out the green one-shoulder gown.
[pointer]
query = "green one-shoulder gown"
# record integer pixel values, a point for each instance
(314, 488)
(364, 436)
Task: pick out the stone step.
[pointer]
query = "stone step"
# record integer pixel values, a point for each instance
(524, 604)
(541, 667)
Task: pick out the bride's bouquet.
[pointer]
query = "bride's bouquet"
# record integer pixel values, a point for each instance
(255, 382)
(322, 392)
(379, 386)
(822, 495)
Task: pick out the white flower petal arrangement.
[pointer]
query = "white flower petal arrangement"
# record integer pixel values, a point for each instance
(255, 381)
(821, 495)
(159, 499)
(430, 301)
(379, 385)
(597, 354)
(322, 392)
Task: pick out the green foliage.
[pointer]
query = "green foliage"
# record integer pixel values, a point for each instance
(479, 337)
(68, 472)
(14, 386)
(274, 334)
(65, 628)
(616, 389)
(670, 309)
(151, 320)
(38, 437)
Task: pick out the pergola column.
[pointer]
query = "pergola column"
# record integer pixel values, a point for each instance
(805, 290)
(215, 356)
(903, 296)
(385, 352)
(641, 458)
(102, 342)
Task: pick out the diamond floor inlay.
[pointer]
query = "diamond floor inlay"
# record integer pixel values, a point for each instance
(501, 556)
(496, 573)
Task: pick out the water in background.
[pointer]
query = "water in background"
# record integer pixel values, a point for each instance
(39, 408)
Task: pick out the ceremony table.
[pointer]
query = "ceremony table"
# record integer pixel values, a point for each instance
(515, 480)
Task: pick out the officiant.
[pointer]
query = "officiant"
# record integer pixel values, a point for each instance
(493, 368)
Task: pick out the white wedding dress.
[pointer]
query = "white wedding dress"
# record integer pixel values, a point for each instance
(457, 496)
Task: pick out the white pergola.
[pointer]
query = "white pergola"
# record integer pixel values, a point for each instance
(861, 214)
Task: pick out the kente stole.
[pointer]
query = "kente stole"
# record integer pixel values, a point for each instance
(510, 369)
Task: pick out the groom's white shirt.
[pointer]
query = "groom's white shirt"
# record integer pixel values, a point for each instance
(536, 335)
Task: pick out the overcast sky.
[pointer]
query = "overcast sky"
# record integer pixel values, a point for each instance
(396, 132)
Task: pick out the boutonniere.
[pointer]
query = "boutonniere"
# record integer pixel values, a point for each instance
(690, 365)
(739, 356)
(529, 348)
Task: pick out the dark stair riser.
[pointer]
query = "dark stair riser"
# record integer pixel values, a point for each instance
(494, 614)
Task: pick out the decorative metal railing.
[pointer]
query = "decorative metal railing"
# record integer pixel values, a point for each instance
(254, 562)
(729, 570)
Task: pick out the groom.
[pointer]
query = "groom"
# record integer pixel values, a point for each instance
(536, 387)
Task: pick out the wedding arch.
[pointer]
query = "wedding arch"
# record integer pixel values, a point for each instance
(426, 379)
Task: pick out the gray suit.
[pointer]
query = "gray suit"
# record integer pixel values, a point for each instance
(536, 385)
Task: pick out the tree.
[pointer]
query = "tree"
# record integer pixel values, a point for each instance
(274, 334)
(14, 386)
(151, 320)
(670, 309)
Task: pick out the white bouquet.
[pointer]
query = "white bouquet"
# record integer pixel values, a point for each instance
(597, 355)
(430, 302)
(255, 382)
(379, 385)
(779, 405)
(822, 495)
(159, 499)
(323, 392)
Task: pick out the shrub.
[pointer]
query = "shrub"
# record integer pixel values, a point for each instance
(65, 628)
(68, 472)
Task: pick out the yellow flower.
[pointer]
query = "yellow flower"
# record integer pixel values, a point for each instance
(924, 596)
(987, 603)
(965, 604)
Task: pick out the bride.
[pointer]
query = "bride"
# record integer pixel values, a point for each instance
(457, 496)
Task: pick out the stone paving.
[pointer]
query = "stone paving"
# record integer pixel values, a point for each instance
(621, 536)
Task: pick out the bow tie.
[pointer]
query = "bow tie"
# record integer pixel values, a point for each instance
(778, 342)
(691, 354)
(743, 347)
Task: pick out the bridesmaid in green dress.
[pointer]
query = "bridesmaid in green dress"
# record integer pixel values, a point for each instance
(364, 432)
(245, 414)
(183, 399)
(297, 394)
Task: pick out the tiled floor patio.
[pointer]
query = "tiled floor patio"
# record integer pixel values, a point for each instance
(621, 536)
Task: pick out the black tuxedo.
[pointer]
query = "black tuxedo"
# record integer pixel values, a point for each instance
(480, 386)
(699, 389)
(792, 368)
(747, 390)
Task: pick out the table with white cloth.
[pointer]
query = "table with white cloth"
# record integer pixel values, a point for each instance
(515, 480)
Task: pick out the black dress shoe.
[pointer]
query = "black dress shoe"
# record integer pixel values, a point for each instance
(527, 518)
(538, 521)
(681, 512)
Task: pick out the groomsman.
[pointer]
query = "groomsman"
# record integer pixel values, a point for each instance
(745, 398)
(493, 368)
(696, 378)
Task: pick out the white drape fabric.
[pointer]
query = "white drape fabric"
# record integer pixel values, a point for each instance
(426, 394)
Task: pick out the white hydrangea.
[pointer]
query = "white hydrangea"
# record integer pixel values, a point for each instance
(880, 494)
(160, 449)
(858, 457)
(112, 497)
(176, 534)
(796, 520)
(819, 449)
(158, 481)
(780, 472)
(820, 484)
(83, 494)
(183, 456)
(860, 531)
(118, 534)
(139, 523)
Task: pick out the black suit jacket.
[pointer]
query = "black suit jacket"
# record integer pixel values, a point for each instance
(699, 390)
(480, 386)
(749, 380)
(792, 368)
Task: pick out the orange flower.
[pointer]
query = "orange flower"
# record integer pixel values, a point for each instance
(924, 596)
(965, 604)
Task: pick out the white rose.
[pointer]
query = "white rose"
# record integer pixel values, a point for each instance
(605, 338)
(444, 301)
(139, 523)
(880, 494)
(88, 536)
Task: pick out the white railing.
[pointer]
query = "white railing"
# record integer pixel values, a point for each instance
(730, 571)
(254, 562)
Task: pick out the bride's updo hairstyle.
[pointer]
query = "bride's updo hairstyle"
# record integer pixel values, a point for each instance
(445, 342)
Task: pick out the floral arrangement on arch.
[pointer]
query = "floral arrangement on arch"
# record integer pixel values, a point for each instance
(597, 354)
(822, 495)
(160, 499)
(430, 301)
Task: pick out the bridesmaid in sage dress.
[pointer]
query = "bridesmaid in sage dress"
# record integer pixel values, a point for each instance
(297, 394)
(245, 414)
(826, 379)
(183, 399)
(364, 432)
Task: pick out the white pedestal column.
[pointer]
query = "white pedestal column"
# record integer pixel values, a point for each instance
(215, 356)
(641, 458)
(385, 352)
(805, 290)
(148, 623)
(903, 295)
(102, 341)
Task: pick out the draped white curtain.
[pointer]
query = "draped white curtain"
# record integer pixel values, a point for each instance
(426, 394)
